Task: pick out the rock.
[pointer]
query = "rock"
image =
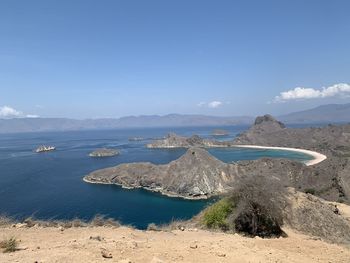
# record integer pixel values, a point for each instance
(97, 238)
(20, 225)
(221, 254)
(194, 246)
(268, 119)
(106, 254)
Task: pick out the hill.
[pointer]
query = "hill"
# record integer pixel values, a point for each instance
(330, 113)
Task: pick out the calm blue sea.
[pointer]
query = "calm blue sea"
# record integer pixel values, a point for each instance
(49, 185)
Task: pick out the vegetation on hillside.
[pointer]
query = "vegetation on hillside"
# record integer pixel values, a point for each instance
(254, 208)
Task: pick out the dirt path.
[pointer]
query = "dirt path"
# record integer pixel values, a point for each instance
(127, 245)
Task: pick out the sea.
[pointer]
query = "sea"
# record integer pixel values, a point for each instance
(50, 185)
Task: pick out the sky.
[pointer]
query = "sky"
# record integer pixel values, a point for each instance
(113, 58)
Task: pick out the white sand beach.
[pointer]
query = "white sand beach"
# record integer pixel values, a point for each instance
(317, 157)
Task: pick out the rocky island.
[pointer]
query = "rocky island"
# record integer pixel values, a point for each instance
(104, 152)
(173, 140)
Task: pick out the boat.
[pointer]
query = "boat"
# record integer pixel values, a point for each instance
(45, 148)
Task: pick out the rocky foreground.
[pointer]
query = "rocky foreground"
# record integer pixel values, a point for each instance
(191, 244)
(126, 245)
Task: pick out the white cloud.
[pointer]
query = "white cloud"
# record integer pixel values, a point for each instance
(300, 93)
(213, 104)
(7, 112)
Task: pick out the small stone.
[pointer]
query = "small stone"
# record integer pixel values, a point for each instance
(182, 228)
(61, 228)
(134, 245)
(97, 238)
(20, 225)
(193, 246)
(221, 254)
(106, 254)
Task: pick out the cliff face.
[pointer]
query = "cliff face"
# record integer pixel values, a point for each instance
(196, 174)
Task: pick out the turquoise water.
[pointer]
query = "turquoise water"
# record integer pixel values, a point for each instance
(49, 185)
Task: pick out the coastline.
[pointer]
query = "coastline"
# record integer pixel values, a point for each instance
(165, 193)
(317, 157)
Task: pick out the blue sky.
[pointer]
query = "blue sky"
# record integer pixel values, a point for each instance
(83, 59)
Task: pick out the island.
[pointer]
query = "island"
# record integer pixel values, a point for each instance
(173, 140)
(104, 152)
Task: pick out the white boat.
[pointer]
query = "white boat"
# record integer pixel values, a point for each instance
(44, 148)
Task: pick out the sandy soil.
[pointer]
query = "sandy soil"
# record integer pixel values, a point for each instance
(128, 245)
(317, 157)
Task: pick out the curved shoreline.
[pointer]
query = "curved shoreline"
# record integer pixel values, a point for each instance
(317, 157)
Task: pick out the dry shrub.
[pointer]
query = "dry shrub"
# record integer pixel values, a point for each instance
(152, 227)
(9, 245)
(259, 204)
(101, 220)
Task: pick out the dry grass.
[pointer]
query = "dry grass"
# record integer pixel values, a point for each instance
(98, 220)
(5, 220)
(9, 245)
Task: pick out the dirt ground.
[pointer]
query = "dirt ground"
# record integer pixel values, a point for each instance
(88, 244)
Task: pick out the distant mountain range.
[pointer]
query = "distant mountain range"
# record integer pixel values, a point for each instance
(332, 113)
(147, 121)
